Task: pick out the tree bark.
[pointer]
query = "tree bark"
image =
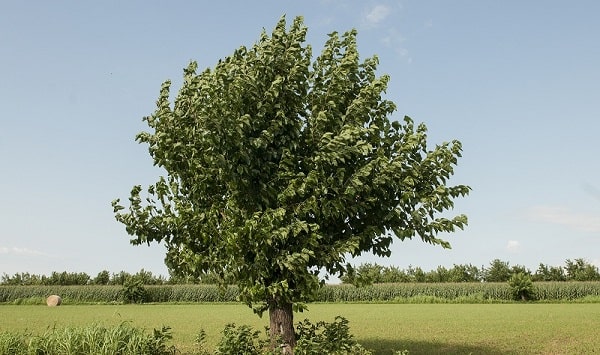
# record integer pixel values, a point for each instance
(281, 327)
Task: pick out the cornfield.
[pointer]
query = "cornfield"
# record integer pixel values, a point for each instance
(400, 292)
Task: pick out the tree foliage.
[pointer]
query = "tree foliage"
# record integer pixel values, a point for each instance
(581, 270)
(499, 271)
(279, 167)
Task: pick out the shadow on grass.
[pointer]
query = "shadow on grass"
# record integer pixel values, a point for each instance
(389, 347)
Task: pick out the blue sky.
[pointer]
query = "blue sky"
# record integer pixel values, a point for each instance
(518, 83)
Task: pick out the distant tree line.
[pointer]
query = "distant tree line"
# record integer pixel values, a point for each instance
(81, 278)
(103, 278)
(497, 271)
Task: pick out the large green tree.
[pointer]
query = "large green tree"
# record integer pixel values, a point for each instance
(279, 167)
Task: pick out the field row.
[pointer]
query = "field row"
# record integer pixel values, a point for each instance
(400, 293)
(492, 329)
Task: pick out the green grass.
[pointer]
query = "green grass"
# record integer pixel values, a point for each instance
(420, 328)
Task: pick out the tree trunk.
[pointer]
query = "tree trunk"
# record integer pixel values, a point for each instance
(281, 327)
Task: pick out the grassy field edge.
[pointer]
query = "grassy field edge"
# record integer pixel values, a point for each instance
(420, 328)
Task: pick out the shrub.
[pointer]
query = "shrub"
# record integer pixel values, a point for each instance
(157, 344)
(201, 348)
(103, 278)
(312, 339)
(326, 338)
(133, 291)
(242, 340)
(521, 286)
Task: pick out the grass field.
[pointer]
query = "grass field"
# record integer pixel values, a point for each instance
(419, 328)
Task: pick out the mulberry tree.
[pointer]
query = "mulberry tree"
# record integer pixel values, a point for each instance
(278, 167)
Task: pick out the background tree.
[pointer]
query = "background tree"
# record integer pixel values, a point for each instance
(499, 271)
(464, 273)
(516, 269)
(416, 274)
(581, 270)
(119, 278)
(278, 169)
(393, 274)
(363, 275)
(549, 273)
(66, 278)
(440, 274)
(21, 278)
(103, 278)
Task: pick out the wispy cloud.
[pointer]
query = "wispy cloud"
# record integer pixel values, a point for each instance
(591, 190)
(565, 217)
(21, 251)
(513, 246)
(395, 41)
(377, 14)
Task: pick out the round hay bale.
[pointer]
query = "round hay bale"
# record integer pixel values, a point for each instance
(53, 301)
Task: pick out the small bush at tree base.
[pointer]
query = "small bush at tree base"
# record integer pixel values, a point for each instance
(326, 338)
(312, 339)
(242, 340)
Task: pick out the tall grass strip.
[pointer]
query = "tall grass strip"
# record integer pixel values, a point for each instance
(95, 339)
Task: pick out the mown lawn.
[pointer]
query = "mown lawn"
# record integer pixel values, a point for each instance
(419, 328)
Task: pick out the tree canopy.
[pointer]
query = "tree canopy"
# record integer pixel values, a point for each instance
(279, 167)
